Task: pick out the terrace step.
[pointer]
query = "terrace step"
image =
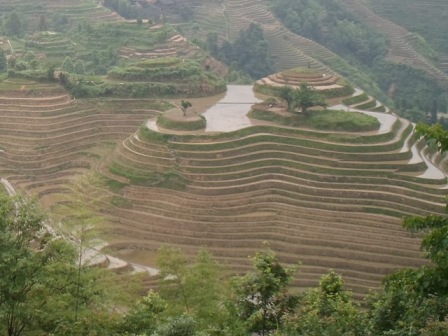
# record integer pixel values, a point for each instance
(244, 189)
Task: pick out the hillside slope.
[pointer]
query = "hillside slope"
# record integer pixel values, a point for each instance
(401, 49)
(329, 199)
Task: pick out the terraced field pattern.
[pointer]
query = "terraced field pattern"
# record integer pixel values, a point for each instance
(316, 197)
(332, 200)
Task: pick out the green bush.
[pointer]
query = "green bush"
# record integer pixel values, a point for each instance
(356, 99)
(367, 105)
(326, 119)
(180, 72)
(181, 125)
(343, 121)
(331, 93)
(170, 179)
(380, 108)
(147, 134)
(338, 92)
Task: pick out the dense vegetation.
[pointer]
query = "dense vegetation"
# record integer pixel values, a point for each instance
(414, 101)
(331, 24)
(248, 53)
(419, 17)
(133, 9)
(87, 51)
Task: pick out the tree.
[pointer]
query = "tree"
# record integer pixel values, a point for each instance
(20, 265)
(183, 325)
(260, 298)
(193, 288)
(434, 134)
(326, 310)
(68, 65)
(37, 272)
(50, 71)
(248, 53)
(79, 67)
(42, 25)
(143, 317)
(80, 222)
(3, 61)
(185, 105)
(59, 21)
(211, 43)
(90, 305)
(303, 98)
(185, 12)
(13, 25)
(288, 94)
(308, 97)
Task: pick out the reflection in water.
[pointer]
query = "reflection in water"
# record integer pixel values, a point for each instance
(229, 114)
(224, 112)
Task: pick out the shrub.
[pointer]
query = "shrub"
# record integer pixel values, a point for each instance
(367, 105)
(181, 125)
(356, 99)
(343, 121)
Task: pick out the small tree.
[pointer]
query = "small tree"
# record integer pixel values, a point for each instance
(42, 25)
(143, 316)
(260, 297)
(13, 25)
(80, 222)
(68, 65)
(327, 310)
(288, 94)
(3, 61)
(79, 67)
(308, 97)
(185, 105)
(302, 98)
(50, 71)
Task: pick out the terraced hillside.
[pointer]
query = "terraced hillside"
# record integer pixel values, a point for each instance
(294, 77)
(401, 49)
(47, 138)
(71, 37)
(415, 15)
(328, 85)
(328, 199)
(72, 12)
(332, 200)
(288, 49)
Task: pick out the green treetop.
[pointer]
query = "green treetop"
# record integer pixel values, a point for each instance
(302, 98)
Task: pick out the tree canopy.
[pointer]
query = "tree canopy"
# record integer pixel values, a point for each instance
(13, 25)
(248, 53)
(303, 98)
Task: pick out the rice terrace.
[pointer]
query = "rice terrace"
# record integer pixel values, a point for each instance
(90, 92)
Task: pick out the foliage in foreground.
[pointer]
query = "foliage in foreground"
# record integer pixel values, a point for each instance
(42, 288)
